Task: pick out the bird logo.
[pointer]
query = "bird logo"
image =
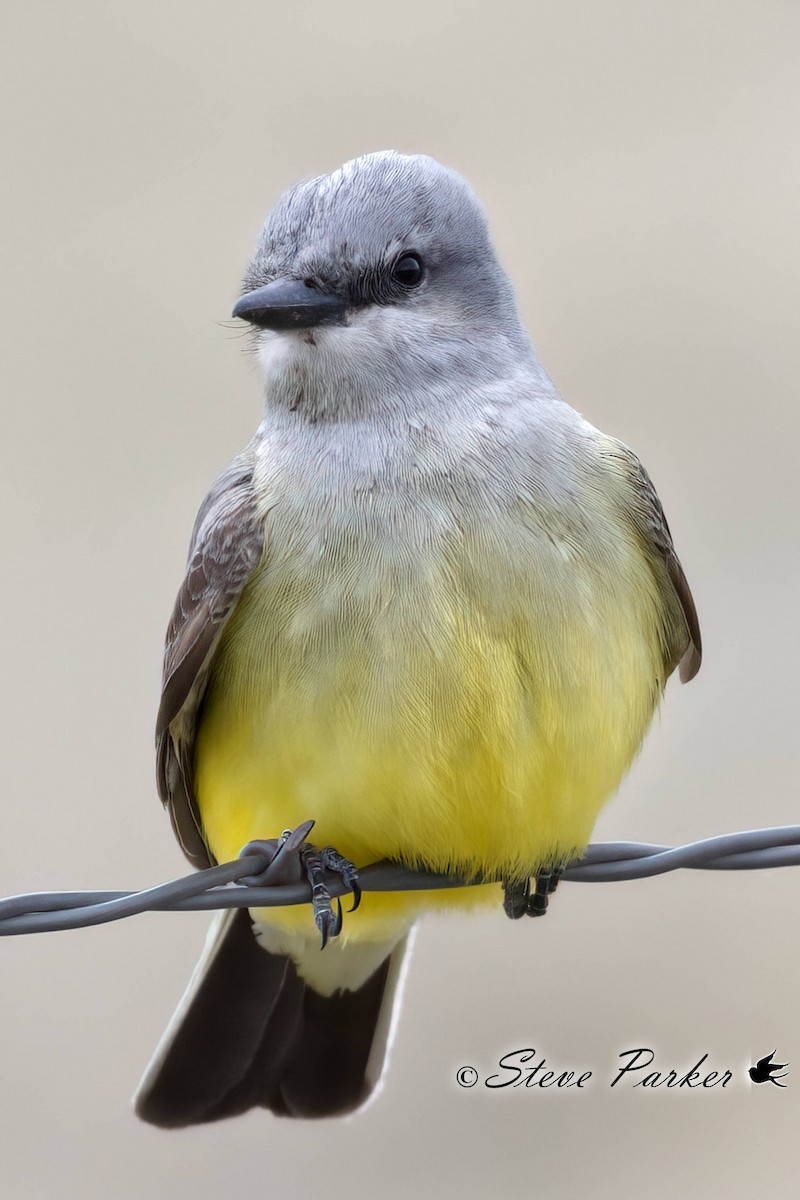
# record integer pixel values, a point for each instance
(765, 1070)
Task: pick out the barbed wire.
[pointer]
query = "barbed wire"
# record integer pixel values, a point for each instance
(225, 886)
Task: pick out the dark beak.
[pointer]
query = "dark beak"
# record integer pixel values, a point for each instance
(290, 304)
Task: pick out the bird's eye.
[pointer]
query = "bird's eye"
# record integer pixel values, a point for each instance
(408, 270)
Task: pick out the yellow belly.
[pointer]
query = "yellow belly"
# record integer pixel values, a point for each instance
(460, 722)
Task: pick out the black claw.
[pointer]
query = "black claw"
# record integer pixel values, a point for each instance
(515, 898)
(553, 877)
(324, 920)
(337, 929)
(342, 867)
(329, 922)
(314, 863)
(546, 883)
(518, 899)
(537, 905)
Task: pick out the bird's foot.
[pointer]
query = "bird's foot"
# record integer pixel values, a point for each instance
(315, 863)
(293, 859)
(520, 901)
(515, 898)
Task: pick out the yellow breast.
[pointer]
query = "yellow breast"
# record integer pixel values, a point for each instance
(461, 698)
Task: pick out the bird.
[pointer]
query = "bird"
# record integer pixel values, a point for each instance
(766, 1071)
(429, 606)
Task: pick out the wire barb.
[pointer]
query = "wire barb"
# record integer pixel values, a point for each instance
(226, 886)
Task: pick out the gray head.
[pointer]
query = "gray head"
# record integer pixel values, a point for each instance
(379, 276)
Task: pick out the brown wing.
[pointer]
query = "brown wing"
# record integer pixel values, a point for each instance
(227, 543)
(685, 648)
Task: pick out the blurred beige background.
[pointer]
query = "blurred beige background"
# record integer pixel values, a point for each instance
(639, 162)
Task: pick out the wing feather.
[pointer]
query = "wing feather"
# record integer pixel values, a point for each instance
(226, 546)
(648, 518)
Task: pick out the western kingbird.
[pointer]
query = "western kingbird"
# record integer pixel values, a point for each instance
(429, 606)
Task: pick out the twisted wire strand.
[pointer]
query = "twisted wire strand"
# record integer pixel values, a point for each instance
(219, 887)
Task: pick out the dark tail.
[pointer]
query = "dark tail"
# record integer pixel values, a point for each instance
(250, 1033)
